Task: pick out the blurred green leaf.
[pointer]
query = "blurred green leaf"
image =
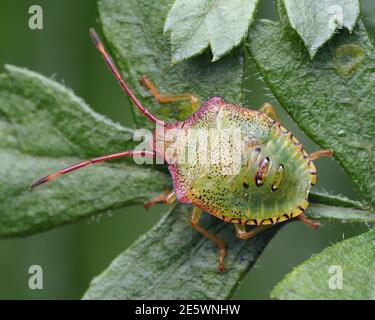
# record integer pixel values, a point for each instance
(42, 126)
(316, 21)
(319, 276)
(174, 261)
(331, 98)
(134, 31)
(196, 25)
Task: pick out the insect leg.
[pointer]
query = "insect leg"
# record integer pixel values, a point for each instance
(270, 111)
(243, 234)
(195, 217)
(82, 164)
(163, 98)
(321, 153)
(124, 86)
(167, 197)
(311, 223)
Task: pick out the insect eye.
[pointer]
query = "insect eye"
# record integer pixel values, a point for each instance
(262, 171)
(276, 182)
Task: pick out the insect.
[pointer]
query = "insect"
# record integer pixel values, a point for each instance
(273, 177)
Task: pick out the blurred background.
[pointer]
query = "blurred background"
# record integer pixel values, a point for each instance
(72, 255)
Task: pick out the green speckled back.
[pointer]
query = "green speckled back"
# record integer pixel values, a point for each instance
(272, 178)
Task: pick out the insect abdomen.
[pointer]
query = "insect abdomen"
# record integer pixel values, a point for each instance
(284, 186)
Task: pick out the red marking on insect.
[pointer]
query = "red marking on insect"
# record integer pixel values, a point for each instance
(262, 171)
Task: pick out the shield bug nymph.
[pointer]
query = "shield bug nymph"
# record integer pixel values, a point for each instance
(273, 175)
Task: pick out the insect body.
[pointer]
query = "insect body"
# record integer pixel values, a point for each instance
(261, 176)
(273, 177)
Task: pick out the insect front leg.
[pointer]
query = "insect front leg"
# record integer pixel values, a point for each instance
(167, 197)
(195, 217)
(243, 234)
(165, 98)
(270, 111)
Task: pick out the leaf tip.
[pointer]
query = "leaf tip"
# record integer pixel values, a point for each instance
(216, 58)
(312, 52)
(173, 62)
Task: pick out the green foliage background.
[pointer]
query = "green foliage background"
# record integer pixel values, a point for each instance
(72, 255)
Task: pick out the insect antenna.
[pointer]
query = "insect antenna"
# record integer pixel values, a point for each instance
(112, 66)
(79, 165)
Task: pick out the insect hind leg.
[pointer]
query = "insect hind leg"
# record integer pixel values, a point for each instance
(243, 234)
(311, 223)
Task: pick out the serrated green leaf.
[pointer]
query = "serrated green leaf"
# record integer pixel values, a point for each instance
(320, 211)
(196, 25)
(134, 30)
(343, 271)
(174, 261)
(316, 21)
(333, 207)
(42, 126)
(331, 98)
(324, 197)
